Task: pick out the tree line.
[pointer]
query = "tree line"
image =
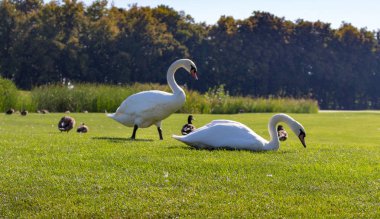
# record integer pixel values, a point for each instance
(260, 56)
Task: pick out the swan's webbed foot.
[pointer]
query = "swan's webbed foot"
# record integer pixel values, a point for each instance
(160, 132)
(133, 137)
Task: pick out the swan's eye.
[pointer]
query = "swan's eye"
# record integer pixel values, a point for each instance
(192, 68)
(302, 133)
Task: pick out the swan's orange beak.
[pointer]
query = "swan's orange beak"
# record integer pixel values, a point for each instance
(193, 73)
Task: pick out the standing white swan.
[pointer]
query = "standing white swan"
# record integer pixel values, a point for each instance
(146, 108)
(234, 135)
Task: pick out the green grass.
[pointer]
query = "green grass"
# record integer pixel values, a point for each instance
(45, 173)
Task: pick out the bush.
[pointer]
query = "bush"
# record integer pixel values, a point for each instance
(8, 94)
(100, 98)
(222, 103)
(25, 102)
(85, 97)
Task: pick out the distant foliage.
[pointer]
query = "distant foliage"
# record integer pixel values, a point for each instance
(101, 98)
(25, 101)
(220, 102)
(8, 94)
(83, 97)
(260, 56)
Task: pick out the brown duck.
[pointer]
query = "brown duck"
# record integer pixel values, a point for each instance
(189, 127)
(66, 124)
(24, 112)
(10, 111)
(82, 128)
(281, 133)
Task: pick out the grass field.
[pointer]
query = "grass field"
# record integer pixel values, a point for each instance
(45, 173)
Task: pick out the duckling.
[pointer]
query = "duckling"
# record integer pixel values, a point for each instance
(66, 123)
(82, 128)
(189, 127)
(281, 133)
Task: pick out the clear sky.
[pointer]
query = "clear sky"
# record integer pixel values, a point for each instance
(360, 13)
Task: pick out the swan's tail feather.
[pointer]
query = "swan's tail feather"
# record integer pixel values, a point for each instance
(183, 139)
(111, 115)
(177, 137)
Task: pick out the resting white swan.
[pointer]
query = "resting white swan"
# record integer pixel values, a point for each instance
(146, 108)
(234, 135)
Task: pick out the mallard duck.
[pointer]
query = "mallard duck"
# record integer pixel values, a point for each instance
(66, 123)
(10, 111)
(235, 135)
(143, 109)
(44, 111)
(189, 127)
(24, 112)
(281, 133)
(82, 128)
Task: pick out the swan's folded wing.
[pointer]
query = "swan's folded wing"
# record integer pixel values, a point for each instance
(144, 100)
(222, 135)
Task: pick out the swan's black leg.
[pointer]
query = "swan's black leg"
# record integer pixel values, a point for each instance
(133, 137)
(160, 132)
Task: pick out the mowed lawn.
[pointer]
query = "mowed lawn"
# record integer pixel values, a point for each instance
(45, 173)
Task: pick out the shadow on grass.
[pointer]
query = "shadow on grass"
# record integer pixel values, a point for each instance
(229, 149)
(116, 139)
(203, 148)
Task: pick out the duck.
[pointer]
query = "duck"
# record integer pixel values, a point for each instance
(10, 111)
(189, 127)
(281, 133)
(24, 112)
(146, 108)
(44, 111)
(82, 128)
(228, 134)
(66, 123)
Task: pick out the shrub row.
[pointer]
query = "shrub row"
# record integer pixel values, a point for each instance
(100, 98)
(8, 94)
(218, 101)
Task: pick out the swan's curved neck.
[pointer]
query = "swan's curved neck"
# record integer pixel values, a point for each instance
(274, 142)
(170, 77)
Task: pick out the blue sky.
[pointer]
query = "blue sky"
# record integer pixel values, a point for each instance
(360, 13)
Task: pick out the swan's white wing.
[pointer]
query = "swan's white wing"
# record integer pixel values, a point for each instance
(219, 121)
(223, 134)
(148, 107)
(144, 101)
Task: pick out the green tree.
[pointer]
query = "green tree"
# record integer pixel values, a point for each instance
(9, 22)
(27, 6)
